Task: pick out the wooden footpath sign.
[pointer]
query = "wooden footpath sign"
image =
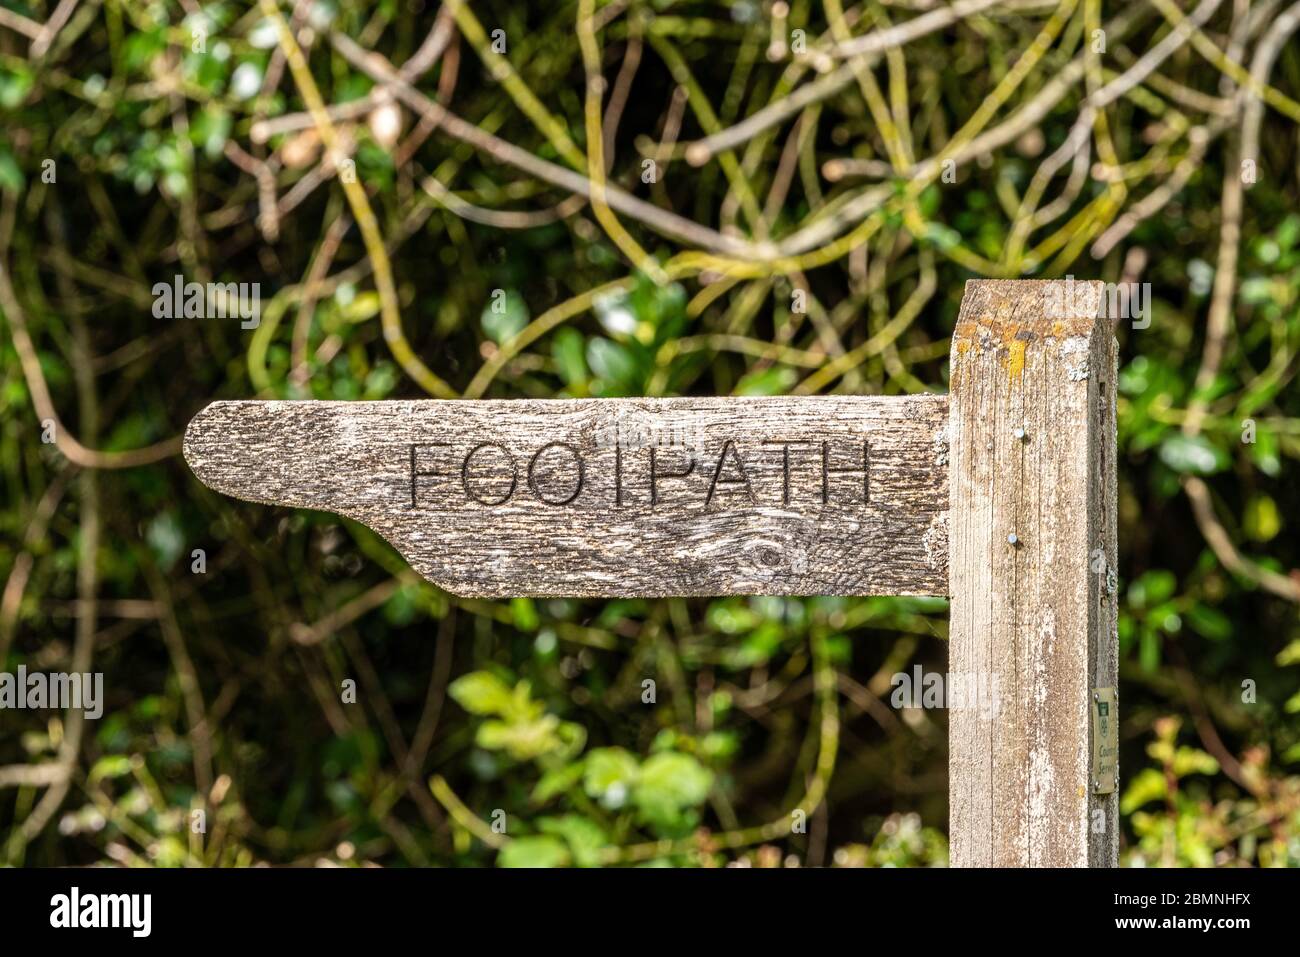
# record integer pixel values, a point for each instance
(1000, 495)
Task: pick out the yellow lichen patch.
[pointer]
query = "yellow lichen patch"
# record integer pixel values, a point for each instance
(1016, 363)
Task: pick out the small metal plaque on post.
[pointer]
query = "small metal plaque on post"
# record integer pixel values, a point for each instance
(1105, 740)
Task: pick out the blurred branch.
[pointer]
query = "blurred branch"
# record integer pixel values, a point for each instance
(670, 224)
(1216, 536)
(19, 23)
(39, 391)
(390, 312)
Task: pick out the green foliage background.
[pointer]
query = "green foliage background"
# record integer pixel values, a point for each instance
(224, 688)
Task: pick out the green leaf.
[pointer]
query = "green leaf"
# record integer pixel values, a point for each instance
(141, 47)
(759, 645)
(616, 313)
(1192, 455)
(1259, 290)
(537, 851)
(401, 607)
(572, 737)
(720, 745)
(505, 315)
(1266, 453)
(363, 306)
(264, 35)
(1149, 649)
(1209, 623)
(1193, 761)
(567, 349)
(1148, 785)
(524, 612)
(610, 776)
(111, 766)
(611, 362)
(670, 783)
(1152, 587)
(929, 201)
(165, 539)
(554, 783)
(15, 83)
(210, 129)
(586, 838)
(246, 81)
(523, 740)
(774, 381)
(11, 177)
(1262, 520)
(1288, 232)
(941, 236)
(481, 692)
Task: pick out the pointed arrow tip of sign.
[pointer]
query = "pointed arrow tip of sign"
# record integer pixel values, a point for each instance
(194, 445)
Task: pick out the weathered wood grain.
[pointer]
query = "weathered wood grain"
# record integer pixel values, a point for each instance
(1037, 617)
(606, 497)
(818, 495)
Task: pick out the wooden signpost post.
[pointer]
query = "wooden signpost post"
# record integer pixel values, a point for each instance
(1000, 495)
